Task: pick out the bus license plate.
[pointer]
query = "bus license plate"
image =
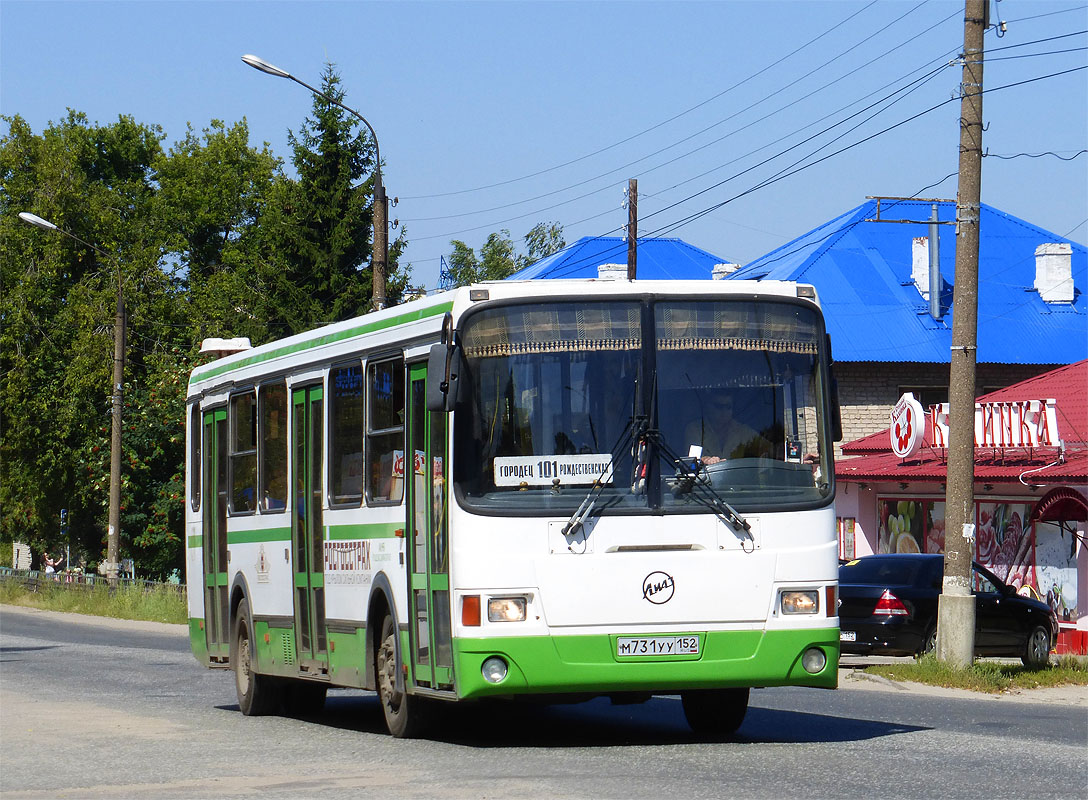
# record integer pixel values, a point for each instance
(657, 646)
(848, 636)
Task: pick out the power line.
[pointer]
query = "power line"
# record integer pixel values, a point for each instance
(540, 211)
(692, 217)
(571, 267)
(1035, 155)
(677, 224)
(660, 124)
(1036, 55)
(697, 133)
(787, 171)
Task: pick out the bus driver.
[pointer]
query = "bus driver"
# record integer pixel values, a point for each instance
(723, 436)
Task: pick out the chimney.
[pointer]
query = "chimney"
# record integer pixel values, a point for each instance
(721, 270)
(919, 265)
(1054, 272)
(612, 272)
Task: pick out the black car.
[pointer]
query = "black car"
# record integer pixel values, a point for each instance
(888, 605)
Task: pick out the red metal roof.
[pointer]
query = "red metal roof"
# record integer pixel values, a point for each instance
(1067, 385)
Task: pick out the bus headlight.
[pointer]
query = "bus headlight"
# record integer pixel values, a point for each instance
(794, 602)
(506, 609)
(494, 669)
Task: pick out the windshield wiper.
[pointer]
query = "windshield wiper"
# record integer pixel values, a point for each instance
(692, 479)
(578, 518)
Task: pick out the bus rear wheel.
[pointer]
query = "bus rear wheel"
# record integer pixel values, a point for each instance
(715, 712)
(258, 694)
(405, 715)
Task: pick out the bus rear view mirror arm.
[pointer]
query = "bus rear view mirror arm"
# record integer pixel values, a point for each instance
(443, 372)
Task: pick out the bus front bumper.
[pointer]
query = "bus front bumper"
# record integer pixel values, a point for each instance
(591, 664)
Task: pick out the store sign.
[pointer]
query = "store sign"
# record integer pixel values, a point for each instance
(1018, 423)
(908, 426)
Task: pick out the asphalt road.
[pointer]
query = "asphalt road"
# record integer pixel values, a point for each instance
(92, 708)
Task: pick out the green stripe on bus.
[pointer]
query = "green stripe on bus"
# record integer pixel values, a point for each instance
(264, 535)
(373, 530)
(557, 664)
(211, 371)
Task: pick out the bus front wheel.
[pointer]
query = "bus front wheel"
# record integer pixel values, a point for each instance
(258, 694)
(405, 715)
(715, 712)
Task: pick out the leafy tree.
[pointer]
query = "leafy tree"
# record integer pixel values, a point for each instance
(318, 231)
(543, 240)
(213, 191)
(58, 305)
(498, 259)
(208, 238)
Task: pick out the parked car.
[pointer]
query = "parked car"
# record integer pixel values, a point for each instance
(888, 605)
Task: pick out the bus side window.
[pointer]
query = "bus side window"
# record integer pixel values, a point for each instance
(385, 431)
(272, 449)
(195, 435)
(243, 453)
(346, 435)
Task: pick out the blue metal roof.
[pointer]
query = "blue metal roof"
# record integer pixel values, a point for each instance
(658, 259)
(862, 272)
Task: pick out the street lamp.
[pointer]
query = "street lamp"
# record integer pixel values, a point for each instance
(113, 533)
(381, 203)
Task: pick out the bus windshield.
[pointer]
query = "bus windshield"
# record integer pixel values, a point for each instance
(637, 397)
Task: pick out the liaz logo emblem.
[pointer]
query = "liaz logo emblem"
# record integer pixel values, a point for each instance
(658, 588)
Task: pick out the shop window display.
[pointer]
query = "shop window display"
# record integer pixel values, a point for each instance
(1037, 560)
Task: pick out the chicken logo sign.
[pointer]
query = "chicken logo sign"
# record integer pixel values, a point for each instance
(908, 426)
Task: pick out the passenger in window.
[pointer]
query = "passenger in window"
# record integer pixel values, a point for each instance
(722, 436)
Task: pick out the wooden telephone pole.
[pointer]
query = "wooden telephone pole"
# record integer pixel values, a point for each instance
(956, 606)
(632, 228)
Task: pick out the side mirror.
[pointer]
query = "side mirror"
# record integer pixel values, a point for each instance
(836, 412)
(443, 371)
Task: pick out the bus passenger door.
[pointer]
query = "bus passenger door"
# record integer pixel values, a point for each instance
(428, 551)
(214, 535)
(307, 531)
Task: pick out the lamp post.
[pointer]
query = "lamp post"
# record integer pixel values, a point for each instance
(381, 204)
(114, 531)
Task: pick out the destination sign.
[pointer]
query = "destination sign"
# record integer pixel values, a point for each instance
(567, 470)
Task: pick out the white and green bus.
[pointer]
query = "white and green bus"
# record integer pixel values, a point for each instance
(505, 490)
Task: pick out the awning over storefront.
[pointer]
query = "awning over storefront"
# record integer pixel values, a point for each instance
(1061, 505)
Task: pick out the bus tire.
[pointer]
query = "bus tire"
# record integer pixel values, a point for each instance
(303, 698)
(405, 715)
(715, 712)
(258, 695)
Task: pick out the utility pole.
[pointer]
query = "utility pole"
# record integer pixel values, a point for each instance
(381, 241)
(113, 537)
(956, 605)
(632, 228)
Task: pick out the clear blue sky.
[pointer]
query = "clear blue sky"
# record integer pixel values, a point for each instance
(502, 115)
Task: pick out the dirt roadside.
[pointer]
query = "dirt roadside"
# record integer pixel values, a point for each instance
(851, 678)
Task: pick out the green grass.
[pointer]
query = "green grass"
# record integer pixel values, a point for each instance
(156, 604)
(987, 676)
